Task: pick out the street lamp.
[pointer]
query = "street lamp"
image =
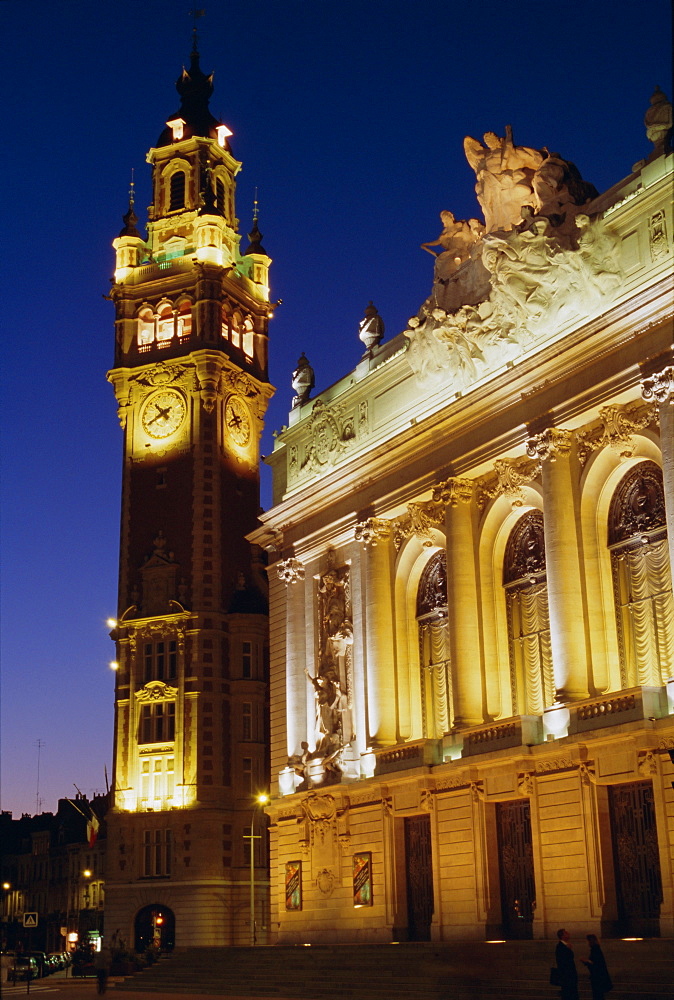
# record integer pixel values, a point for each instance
(260, 800)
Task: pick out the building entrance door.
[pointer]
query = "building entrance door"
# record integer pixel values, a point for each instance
(516, 867)
(636, 859)
(419, 868)
(155, 927)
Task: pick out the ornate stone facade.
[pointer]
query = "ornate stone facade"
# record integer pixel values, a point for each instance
(488, 595)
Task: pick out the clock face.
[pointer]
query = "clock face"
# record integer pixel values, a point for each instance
(237, 420)
(163, 413)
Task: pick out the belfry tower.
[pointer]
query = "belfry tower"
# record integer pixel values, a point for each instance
(190, 378)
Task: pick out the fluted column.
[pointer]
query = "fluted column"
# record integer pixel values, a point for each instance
(291, 572)
(375, 535)
(462, 601)
(555, 449)
(660, 388)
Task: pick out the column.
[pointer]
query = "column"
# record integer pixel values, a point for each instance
(291, 572)
(555, 449)
(375, 535)
(660, 388)
(462, 601)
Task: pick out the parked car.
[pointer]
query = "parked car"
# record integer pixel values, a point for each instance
(23, 968)
(43, 966)
(55, 960)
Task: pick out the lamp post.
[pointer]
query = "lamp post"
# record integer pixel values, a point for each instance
(260, 800)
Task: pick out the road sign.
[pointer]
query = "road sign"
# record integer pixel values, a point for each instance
(30, 920)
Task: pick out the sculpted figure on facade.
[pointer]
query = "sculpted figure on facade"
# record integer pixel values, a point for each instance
(457, 239)
(504, 174)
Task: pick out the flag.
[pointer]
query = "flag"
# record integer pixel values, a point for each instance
(93, 827)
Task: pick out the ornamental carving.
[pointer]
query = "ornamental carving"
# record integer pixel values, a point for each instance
(157, 691)
(510, 477)
(660, 387)
(331, 430)
(453, 491)
(657, 236)
(638, 504)
(432, 590)
(321, 812)
(160, 374)
(615, 430)
(512, 288)
(373, 530)
(290, 571)
(333, 682)
(525, 551)
(326, 881)
(552, 443)
(420, 520)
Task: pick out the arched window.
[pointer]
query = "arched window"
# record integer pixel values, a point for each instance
(248, 337)
(184, 320)
(642, 583)
(145, 336)
(165, 324)
(177, 191)
(436, 683)
(220, 195)
(532, 680)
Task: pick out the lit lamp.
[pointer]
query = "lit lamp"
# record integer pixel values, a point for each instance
(260, 800)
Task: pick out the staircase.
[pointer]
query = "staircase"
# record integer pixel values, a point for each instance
(516, 970)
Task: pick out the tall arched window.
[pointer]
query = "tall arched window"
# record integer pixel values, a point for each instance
(177, 191)
(220, 195)
(436, 683)
(532, 680)
(642, 582)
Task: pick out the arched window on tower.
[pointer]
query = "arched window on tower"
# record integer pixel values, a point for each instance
(526, 591)
(184, 320)
(436, 683)
(177, 191)
(145, 334)
(220, 195)
(236, 324)
(642, 582)
(165, 324)
(248, 337)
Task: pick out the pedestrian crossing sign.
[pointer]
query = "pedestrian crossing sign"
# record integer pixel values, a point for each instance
(30, 920)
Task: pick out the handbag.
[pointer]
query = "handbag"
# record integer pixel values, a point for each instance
(555, 977)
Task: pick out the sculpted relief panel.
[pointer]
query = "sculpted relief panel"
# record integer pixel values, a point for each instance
(538, 262)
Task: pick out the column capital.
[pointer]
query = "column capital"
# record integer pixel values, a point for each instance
(290, 570)
(373, 530)
(660, 386)
(453, 491)
(552, 443)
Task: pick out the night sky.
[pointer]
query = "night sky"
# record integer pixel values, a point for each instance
(349, 118)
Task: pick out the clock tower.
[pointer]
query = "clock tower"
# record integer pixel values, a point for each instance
(190, 378)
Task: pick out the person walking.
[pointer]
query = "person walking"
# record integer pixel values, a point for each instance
(566, 963)
(102, 963)
(600, 981)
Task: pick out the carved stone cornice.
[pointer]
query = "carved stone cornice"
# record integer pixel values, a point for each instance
(419, 520)
(552, 443)
(373, 530)
(290, 570)
(615, 430)
(453, 491)
(510, 478)
(660, 386)
(157, 691)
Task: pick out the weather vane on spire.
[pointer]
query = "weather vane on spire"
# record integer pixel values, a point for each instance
(195, 15)
(256, 211)
(132, 192)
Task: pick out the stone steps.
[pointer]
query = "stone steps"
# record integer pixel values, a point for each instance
(517, 970)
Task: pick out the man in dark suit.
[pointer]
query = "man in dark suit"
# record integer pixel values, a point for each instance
(566, 964)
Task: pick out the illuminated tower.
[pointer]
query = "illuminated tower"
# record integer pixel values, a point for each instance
(190, 379)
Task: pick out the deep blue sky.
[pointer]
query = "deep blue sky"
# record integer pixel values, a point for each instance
(349, 117)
